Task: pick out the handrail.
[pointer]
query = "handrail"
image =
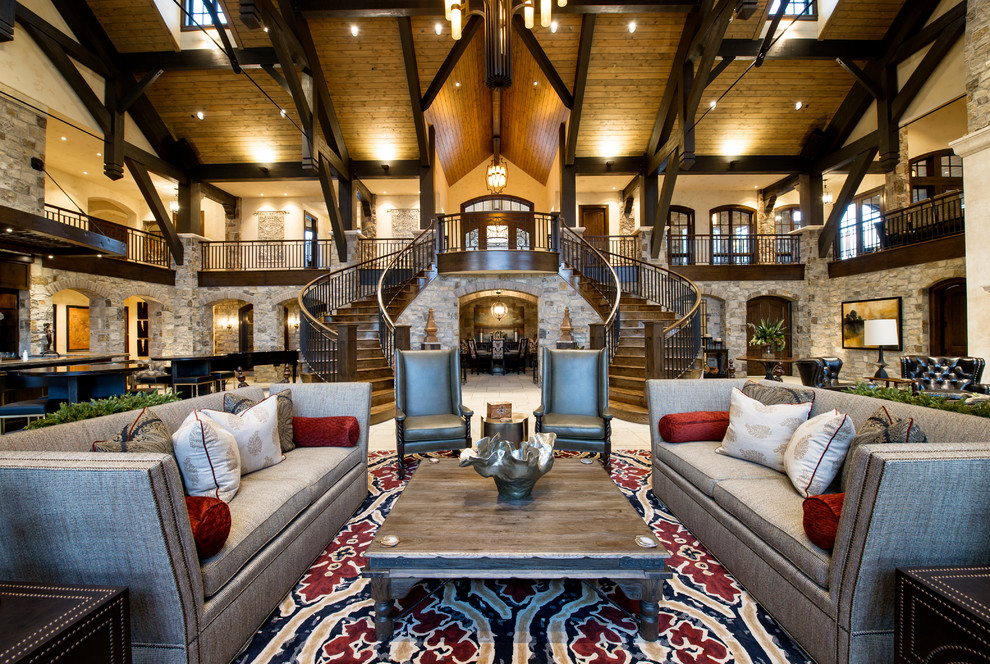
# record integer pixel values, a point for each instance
(610, 291)
(708, 249)
(681, 343)
(243, 255)
(413, 259)
(142, 246)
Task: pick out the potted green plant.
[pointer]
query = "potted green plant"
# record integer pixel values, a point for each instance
(769, 334)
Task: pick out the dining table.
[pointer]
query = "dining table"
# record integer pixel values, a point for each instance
(81, 382)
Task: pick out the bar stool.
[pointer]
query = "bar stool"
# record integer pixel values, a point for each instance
(220, 379)
(28, 410)
(194, 383)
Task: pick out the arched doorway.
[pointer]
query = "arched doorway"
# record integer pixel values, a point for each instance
(947, 324)
(770, 308)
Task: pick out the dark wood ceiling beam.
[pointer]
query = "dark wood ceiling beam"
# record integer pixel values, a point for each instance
(147, 188)
(131, 96)
(803, 49)
(397, 8)
(781, 186)
(412, 82)
(580, 83)
(663, 124)
(251, 172)
(861, 77)
(765, 164)
(373, 170)
(694, 83)
(631, 165)
(83, 56)
(771, 33)
(837, 159)
(198, 59)
(719, 68)
(8, 10)
(566, 98)
(333, 209)
(214, 193)
(663, 207)
(929, 33)
(855, 178)
(932, 59)
(276, 75)
(221, 29)
(453, 57)
(280, 41)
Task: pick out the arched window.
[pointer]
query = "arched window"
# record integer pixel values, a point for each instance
(935, 173)
(680, 235)
(732, 235)
(786, 219)
(857, 229)
(497, 204)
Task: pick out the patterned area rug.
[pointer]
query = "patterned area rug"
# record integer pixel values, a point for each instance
(705, 616)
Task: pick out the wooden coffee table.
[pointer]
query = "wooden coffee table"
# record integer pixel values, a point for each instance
(450, 523)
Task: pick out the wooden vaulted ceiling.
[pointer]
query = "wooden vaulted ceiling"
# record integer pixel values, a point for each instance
(366, 78)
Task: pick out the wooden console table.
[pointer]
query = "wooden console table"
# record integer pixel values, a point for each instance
(769, 363)
(894, 381)
(45, 623)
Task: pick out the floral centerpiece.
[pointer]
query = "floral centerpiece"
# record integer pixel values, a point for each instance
(769, 334)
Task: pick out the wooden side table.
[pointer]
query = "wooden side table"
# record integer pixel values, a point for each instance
(64, 624)
(895, 382)
(942, 614)
(514, 429)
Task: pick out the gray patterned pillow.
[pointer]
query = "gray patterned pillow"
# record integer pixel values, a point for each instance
(235, 404)
(147, 433)
(882, 428)
(771, 395)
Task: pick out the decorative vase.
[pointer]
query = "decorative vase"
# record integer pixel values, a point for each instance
(515, 467)
(768, 351)
(431, 328)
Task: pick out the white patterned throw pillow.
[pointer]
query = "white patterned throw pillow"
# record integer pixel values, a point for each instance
(208, 458)
(760, 433)
(816, 451)
(256, 431)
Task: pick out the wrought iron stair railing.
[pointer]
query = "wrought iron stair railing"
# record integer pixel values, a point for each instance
(402, 270)
(590, 263)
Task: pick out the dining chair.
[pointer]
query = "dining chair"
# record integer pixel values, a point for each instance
(498, 355)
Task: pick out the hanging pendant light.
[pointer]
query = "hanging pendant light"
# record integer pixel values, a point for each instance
(495, 176)
(499, 310)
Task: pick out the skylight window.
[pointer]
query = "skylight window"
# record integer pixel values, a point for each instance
(804, 9)
(196, 14)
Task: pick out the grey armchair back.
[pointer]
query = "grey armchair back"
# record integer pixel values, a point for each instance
(575, 401)
(429, 415)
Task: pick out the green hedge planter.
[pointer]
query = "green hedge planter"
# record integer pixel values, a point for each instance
(99, 407)
(980, 409)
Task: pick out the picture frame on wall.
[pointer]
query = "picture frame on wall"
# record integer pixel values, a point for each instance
(855, 313)
(76, 328)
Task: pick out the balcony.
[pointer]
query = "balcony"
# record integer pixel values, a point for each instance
(142, 247)
(498, 241)
(736, 257)
(264, 262)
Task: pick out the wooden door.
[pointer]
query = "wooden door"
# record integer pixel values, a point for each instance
(594, 218)
(245, 317)
(9, 324)
(947, 333)
(768, 308)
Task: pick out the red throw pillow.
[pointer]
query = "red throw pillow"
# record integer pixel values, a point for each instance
(210, 521)
(340, 431)
(688, 427)
(821, 518)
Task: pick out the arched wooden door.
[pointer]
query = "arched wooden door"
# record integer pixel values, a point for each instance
(947, 328)
(768, 308)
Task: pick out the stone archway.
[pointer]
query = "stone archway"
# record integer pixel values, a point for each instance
(106, 331)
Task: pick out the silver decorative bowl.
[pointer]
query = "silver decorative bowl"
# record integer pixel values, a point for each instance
(515, 467)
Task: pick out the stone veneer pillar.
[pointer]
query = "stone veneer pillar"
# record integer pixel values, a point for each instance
(974, 148)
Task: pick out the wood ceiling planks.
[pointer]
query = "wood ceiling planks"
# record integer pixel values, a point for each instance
(626, 80)
(134, 25)
(758, 115)
(531, 116)
(240, 124)
(750, 28)
(462, 115)
(562, 46)
(861, 19)
(431, 48)
(367, 81)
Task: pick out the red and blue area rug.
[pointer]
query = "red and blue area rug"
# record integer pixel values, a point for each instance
(706, 617)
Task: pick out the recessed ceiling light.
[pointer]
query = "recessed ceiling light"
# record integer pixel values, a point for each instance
(50, 256)
(285, 194)
(755, 186)
(99, 255)
(64, 138)
(713, 104)
(85, 172)
(535, 83)
(632, 26)
(384, 192)
(457, 84)
(798, 105)
(553, 26)
(265, 28)
(99, 154)
(262, 195)
(613, 188)
(10, 230)
(354, 31)
(199, 115)
(281, 112)
(439, 28)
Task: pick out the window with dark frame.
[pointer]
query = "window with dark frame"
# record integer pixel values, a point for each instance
(309, 240)
(786, 219)
(196, 14)
(680, 244)
(732, 235)
(800, 9)
(935, 173)
(858, 233)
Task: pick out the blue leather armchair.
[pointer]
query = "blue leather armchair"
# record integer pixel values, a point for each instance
(429, 415)
(575, 401)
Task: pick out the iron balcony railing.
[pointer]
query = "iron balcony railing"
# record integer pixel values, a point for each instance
(246, 255)
(733, 249)
(374, 247)
(940, 216)
(142, 247)
(588, 261)
(620, 245)
(403, 268)
(492, 231)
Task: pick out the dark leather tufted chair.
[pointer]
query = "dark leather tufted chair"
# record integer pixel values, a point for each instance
(943, 374)
(575, 401)
(821, 372)
(429, 415)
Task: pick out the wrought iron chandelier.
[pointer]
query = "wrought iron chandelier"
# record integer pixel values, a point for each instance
(499, 310)
(498, 38)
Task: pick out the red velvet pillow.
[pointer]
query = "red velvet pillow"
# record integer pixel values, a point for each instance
(210, 521)
(688, 427)
(821, 518)
(340, 431)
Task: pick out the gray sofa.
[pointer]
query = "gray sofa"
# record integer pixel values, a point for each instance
(905, 505)
(80, 517)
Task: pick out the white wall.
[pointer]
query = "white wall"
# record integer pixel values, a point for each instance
(937, 129)
(519, 184)
(293, 220)
(385, 203)
(613, 199)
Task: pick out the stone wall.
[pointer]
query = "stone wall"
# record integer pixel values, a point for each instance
(977, 56)
(22, 136)
(226, 339)
(897, 185)
(405, 222)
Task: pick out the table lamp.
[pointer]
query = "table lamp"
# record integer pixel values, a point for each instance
(880, 333)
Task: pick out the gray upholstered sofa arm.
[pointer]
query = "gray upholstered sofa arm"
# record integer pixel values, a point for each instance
(105, 520)
(906, 505)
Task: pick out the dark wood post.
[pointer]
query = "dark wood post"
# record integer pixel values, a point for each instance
(401, 337)
(347, 351)
(596, 338)
(654, 349)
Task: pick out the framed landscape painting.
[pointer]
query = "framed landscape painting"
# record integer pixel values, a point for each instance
(856, 313)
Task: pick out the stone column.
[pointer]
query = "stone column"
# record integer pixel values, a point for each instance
(974, 148)
(188, 333)
(897, 188)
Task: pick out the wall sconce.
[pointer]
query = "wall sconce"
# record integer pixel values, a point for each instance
(294, 322)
